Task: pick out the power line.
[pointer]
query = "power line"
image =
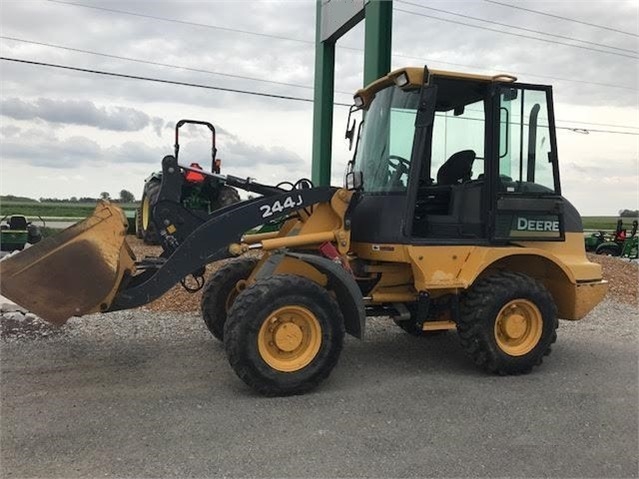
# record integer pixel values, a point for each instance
(183, 22)
(517, 7)
(534, 75)
(160, 80)
(587, 131)
(616, 125)
(231, 75)
(279, 37)
(516, 34)
(515, 27)
(246, 92)
(148, 62)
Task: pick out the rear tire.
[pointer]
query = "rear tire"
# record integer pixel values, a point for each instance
(508, 323)
(149, 196)
(284, 335)
(220, 293)
(609, 249)
(138, 223)
(227, 196)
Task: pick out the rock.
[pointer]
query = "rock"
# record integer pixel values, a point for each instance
(9, 307)
(14, 316)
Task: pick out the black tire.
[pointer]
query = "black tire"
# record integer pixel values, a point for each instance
(270, 301)
(227, 196)
(149, 196)
(138, 223)
(608, 249)
(216, 296)
(482, 332)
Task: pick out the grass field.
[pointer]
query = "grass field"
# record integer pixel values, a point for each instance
(605, 223)
(60, 210)
(82, 210)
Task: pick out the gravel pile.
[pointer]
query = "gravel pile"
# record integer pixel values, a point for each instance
(623, 276)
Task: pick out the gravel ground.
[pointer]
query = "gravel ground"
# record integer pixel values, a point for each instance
(143, 394)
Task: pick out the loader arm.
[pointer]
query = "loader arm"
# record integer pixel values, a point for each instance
(209, 241)
(89, 267)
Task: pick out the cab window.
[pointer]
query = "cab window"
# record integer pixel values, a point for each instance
(525, 147)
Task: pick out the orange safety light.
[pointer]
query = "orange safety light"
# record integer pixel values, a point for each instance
(193, 176)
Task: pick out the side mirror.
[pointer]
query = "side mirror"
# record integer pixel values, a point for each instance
(354, 180)
(350, 132)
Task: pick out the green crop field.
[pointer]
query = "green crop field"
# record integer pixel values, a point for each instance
(58, 210)
(605, 223)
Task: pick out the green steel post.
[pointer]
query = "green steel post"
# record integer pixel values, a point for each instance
(323, 107)
(378, 35)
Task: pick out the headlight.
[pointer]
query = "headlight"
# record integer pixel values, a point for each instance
(401, 80)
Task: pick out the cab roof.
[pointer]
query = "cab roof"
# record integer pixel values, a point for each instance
(415, 76)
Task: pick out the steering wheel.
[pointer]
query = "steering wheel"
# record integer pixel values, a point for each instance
(400, 162)
(401, 166)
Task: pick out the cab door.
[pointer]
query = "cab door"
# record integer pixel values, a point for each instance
(526, 192)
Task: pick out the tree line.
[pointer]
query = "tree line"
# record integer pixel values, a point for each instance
(125, 197)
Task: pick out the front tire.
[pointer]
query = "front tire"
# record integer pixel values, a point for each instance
(508, 322)
(227, 196)
(220, 291)
(284, 335)
(149, 196)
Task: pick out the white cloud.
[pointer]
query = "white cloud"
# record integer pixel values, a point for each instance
(77, 112)
(117, 128)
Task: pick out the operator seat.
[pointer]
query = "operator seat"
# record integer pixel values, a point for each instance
(458, 168)
(17, 223)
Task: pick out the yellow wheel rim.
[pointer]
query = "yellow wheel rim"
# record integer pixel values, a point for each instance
(289, 338)
(146, 206)
(518, 327)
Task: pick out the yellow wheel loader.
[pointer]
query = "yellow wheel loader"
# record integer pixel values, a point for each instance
(451, 218)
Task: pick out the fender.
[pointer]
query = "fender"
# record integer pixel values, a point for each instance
(348, 295)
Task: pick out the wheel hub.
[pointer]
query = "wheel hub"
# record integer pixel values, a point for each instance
(518, 327)
(146, 206)
(515, 326)
(289, 338)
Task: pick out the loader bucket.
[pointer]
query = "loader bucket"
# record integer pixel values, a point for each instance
(76, 272)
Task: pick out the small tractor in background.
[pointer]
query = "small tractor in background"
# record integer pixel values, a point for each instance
(200, 193)
(617, 244)
(17, 232)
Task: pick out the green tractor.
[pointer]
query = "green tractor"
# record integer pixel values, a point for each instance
(200, 193)
(619, 244)
(16, 231)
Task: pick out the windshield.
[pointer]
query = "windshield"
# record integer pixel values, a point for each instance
(384, 152)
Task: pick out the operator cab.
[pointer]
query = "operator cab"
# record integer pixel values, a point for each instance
(456, 158)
